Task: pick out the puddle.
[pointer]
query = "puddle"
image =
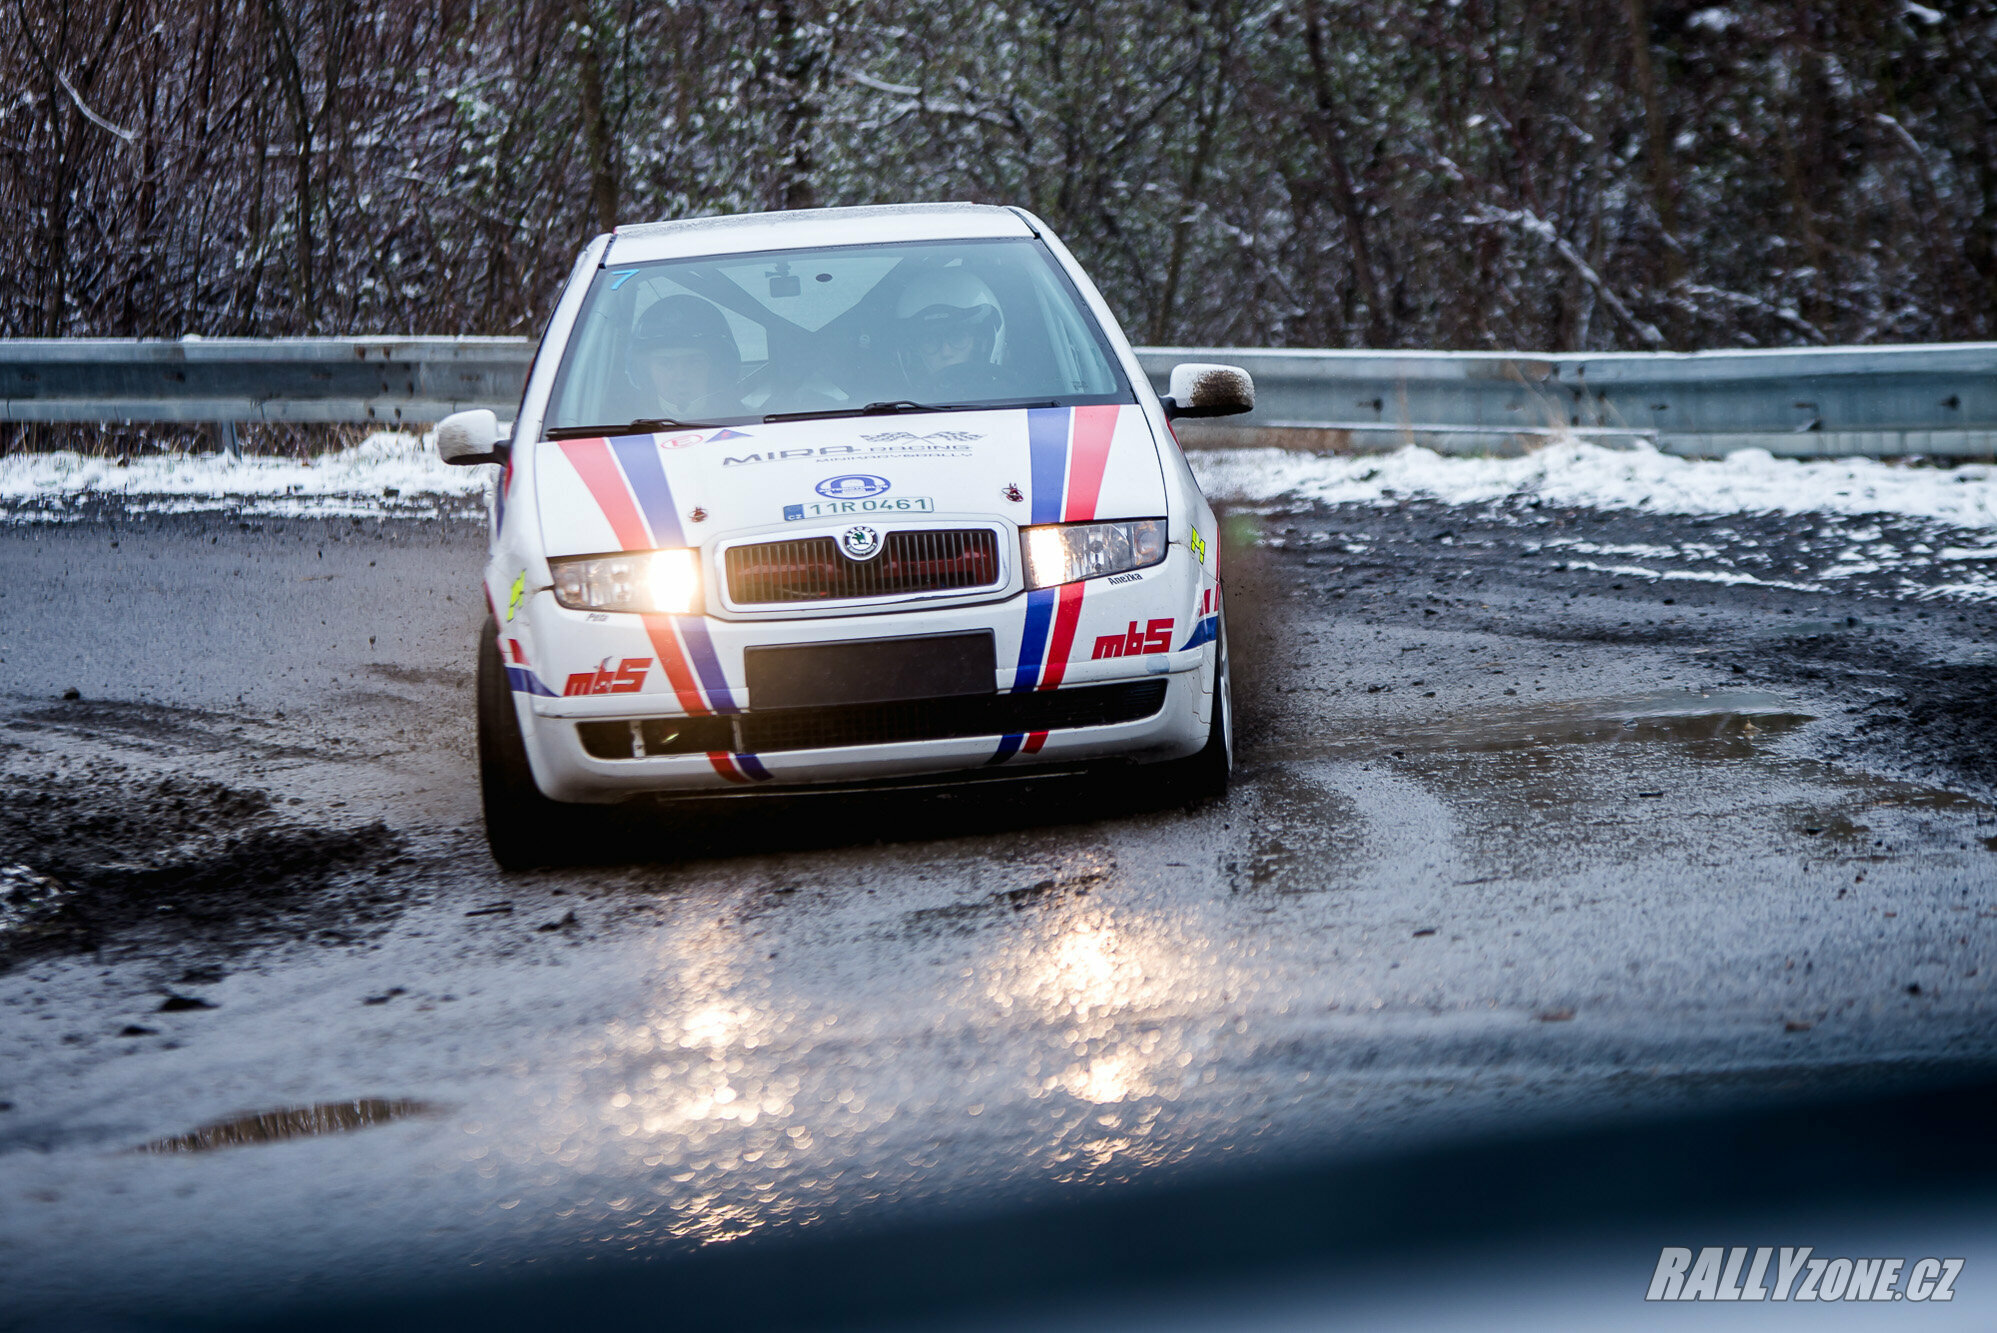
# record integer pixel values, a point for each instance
(1682, 775)
(1835, 827)
(1304, 833)
(1734, 718)
(293, 1122)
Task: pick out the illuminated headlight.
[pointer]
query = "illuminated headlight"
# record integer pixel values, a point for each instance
(1065, 552)
(664, 581)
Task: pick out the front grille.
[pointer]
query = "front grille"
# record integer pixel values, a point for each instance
(776, 729)
(814, 569)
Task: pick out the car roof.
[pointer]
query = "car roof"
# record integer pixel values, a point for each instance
(810, 228)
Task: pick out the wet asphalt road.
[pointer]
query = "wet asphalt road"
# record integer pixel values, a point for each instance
(1517, 842)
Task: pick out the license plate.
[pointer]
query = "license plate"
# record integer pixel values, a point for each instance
(886, 504)
(869, 671)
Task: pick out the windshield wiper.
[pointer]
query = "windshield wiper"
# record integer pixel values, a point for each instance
(896, 407)
(642, 426)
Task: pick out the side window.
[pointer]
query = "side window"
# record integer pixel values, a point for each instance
(596, 351)
(1077, 359)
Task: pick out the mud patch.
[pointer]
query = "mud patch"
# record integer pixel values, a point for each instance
(1071, 882)
(449, 677)
(151, 728)
(91, 860)
(292, 1122)
(1944, 720)
(1861, 818)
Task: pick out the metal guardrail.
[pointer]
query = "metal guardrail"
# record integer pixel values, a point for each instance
(351, 380)
(1882, 401)
(1938, 400)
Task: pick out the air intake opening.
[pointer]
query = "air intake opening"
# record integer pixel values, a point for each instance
(774, 730)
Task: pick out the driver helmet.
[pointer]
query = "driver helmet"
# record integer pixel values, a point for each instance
(685, 322)
(939, 303)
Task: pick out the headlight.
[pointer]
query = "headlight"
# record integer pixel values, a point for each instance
(664, 581)
(1065, 552)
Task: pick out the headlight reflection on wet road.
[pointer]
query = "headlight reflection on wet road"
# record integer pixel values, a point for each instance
(1121, 996)
(1053, 1043)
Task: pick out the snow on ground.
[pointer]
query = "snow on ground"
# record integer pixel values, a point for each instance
(1907, 531)
(388, 472)
(394, 471)
(1576, 474)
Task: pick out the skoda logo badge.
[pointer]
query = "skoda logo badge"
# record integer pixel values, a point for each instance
(852, 486)
(860, 542)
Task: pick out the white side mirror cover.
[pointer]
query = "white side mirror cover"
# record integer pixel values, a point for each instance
(1201, 389)
(470, 437)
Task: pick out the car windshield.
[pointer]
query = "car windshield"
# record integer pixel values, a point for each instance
(737, 338)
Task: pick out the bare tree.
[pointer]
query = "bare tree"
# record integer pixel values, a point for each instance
(1527, 173)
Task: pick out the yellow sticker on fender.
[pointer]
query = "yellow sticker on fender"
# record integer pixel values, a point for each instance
(518, 595)
(1197, 543)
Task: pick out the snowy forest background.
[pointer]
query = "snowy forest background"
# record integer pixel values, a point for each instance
(1535, 174)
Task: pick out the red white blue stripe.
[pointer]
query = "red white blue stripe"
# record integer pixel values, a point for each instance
(1207, 628)
(1025, 742)
(627, 479)
(1068, 450)
(738, 767)
(1204, 632)
(519, 676)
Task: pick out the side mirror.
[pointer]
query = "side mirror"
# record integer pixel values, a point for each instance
(1202, 390)
(470, 437)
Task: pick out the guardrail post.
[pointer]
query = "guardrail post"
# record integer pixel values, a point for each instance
(225, 435)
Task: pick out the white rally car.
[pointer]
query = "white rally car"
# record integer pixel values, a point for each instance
(863, 496)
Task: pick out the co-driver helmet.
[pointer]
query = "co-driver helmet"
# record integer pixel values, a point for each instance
(941, 302)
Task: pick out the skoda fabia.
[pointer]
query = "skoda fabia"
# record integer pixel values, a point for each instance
(845, 497)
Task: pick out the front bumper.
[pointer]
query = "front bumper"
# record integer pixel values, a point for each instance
(565, 769)
(576, 669)
(573, 669)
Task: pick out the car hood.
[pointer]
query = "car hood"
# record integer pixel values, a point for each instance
(688, 488)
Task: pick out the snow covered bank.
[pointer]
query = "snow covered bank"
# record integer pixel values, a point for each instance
(1577, 474)
(392, 472)
(388, 472)
(1898, 531)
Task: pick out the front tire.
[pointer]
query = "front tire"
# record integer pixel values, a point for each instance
(523, 828)
(1205, 776)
